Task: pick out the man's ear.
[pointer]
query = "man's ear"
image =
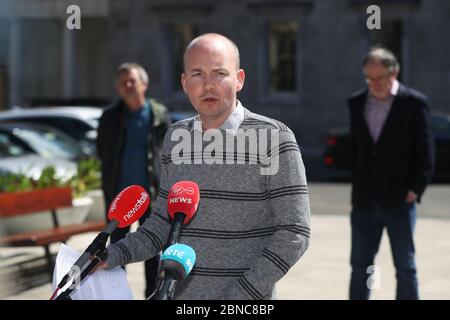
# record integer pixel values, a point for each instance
(394, 74)
(241, 80)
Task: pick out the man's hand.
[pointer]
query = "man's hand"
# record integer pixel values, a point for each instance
(102, 265)
(411, 197)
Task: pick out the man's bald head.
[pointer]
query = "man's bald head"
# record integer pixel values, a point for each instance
(213, 40)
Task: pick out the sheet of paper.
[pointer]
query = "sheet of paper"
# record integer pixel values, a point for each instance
(101, 285)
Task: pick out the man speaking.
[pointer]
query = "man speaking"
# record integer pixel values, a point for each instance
(252, 225)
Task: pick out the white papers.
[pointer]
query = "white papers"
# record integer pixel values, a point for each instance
(101, 285)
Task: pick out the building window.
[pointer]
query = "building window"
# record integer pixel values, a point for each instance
(282, 46)
(390, 36)
(182, 34)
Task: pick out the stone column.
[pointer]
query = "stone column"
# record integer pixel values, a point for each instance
(15, 63)
(69, 63)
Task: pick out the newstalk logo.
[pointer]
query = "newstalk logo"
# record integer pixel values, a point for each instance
(139, 203)
(116, 199)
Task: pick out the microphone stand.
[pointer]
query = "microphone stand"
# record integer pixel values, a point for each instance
(96, 246)
(175, 230)
(167, 289)
(99, 257)
(167, 285)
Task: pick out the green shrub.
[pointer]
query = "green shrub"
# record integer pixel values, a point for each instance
(87, 178)
(15, 182)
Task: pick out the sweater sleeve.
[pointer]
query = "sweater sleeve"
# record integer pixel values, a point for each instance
(151, 236)
(290, 206)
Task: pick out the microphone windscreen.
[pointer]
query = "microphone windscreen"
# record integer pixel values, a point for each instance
(129, 205)
(184, 197)
(180, 259)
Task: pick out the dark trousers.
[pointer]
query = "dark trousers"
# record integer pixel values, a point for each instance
(151, 265)
(367, 228)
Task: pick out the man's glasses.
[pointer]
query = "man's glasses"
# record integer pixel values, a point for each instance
(127, 82)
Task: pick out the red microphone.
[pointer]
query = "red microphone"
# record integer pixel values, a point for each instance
(127, 207)
(182, 204)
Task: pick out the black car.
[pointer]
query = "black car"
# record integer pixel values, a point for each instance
(337, 152)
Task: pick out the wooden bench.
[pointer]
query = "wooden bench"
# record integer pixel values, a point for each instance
(45, 201)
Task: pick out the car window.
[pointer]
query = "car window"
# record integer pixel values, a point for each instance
(49, 144)
(75, 128)
(93, 122)
(9, 148)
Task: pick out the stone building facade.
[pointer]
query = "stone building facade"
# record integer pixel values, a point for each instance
(302, 57)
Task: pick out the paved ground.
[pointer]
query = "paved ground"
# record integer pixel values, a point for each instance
(323, 272)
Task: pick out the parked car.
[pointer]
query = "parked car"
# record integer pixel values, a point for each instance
(44, 141)
(337, 152)
(80, 123)
(16, 158)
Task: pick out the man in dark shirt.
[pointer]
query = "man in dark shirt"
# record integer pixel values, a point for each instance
(130, 135)
(391, 161)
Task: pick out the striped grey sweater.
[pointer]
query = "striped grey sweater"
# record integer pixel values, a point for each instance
(249, 230)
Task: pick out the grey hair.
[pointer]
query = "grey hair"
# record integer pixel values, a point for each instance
(383, 56)
(128, 66)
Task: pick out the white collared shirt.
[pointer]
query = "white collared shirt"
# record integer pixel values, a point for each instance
(394, 88)
(231, 124)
